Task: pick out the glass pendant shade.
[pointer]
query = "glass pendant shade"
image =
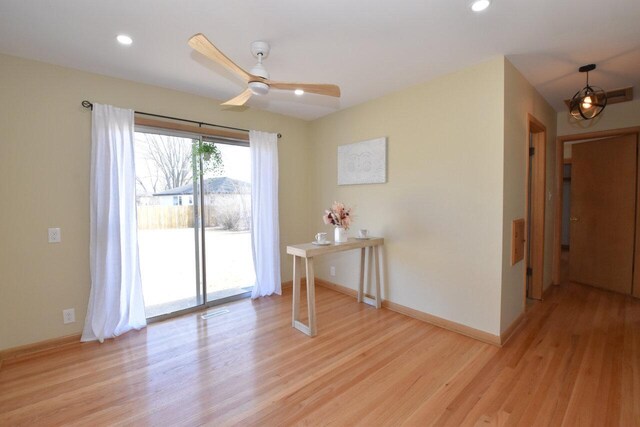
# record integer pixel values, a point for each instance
(589, 101)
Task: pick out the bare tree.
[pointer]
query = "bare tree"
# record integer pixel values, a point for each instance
(172, 158)
(147, 180)
(164, 162)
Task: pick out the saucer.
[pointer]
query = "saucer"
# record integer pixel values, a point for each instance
(325, 243)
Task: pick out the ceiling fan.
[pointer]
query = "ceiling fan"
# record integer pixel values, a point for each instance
(258, 78)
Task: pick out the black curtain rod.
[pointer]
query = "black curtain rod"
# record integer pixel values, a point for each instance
(88, 104)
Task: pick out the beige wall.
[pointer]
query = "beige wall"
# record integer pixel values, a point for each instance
(522, 99)
(455, 182)
(441, 209)
(44, 170)
(614, 116)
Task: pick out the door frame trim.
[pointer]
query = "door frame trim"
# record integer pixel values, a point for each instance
(539, 130)
(557, 219)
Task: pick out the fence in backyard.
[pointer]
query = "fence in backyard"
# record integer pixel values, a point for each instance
(226, 212)
(154, 217)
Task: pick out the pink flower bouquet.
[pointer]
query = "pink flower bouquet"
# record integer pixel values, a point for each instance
(338, 216)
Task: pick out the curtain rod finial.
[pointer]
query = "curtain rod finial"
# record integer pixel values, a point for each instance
(87, 104)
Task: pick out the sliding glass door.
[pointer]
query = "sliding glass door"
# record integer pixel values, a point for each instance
(167, 205)
(228, 267)
(194, 216)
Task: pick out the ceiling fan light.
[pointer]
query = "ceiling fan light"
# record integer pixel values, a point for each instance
(259, 88)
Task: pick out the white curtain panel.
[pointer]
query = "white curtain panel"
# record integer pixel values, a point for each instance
(265, 232)
(116, 304)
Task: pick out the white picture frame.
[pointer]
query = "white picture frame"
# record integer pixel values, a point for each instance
(363, 162)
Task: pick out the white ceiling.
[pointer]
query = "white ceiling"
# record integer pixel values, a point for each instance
(369, 48)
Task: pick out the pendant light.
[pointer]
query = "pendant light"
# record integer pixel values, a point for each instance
(589, 101)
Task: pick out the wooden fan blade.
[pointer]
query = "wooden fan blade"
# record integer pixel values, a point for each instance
(240, 99)
(320, 89)
(202, 44)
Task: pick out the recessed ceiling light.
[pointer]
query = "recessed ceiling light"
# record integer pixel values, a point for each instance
(298, 92)
(125, 40)
(480, 5)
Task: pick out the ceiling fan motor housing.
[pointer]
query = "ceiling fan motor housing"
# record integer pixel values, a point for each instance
(260, 50)
(259, 70)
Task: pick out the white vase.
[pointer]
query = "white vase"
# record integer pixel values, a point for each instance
(340, 235)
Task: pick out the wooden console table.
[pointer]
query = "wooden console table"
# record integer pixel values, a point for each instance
(308, 251)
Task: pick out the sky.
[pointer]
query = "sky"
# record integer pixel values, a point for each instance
(236, 159)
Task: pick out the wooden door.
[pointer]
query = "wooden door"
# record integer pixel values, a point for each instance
(603, 206)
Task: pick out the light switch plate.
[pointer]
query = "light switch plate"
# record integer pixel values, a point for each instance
(54, 235)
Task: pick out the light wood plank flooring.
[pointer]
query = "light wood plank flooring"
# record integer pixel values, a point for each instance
(575, 361)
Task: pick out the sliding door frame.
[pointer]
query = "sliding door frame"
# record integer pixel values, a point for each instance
(202, 135)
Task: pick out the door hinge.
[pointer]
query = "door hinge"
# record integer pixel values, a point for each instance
(529, 271)
(532, 151)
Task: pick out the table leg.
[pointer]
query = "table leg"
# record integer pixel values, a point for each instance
(311, 297)
(376, 258)
(361, 284)
(297, 267)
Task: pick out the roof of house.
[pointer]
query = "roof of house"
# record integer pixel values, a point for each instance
(218, 185)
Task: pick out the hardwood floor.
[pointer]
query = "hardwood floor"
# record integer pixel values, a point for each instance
(575, 361)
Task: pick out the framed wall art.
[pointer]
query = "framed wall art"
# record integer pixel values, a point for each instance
(363, 162)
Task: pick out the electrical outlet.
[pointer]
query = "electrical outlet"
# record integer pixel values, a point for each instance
(69, 315)
(332, 271)
(55, 236)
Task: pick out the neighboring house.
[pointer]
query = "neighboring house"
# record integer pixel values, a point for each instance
(213, 188)
(227, 205)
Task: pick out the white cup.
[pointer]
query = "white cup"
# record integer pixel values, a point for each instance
(321, 237)
(363, 233)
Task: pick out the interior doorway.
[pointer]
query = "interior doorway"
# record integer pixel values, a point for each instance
(603, 211)
(535, 208)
